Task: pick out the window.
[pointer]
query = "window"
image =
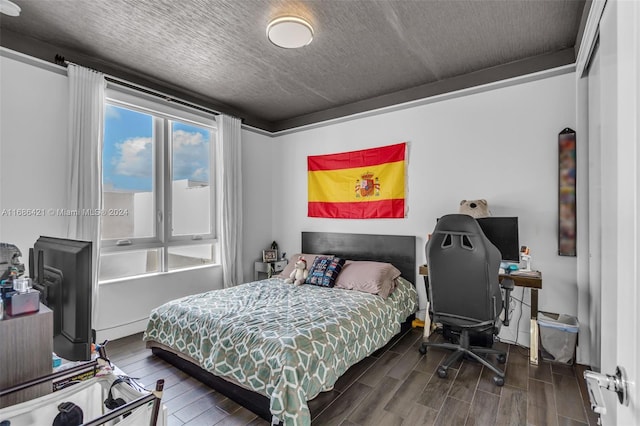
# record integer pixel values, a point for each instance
(158, 191)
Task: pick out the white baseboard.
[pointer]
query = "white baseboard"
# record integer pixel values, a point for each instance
(121, 331)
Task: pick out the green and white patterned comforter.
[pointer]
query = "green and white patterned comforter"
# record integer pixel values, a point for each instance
(286, 342)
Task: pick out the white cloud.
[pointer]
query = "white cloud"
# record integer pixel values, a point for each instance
(134, 157)
(190, 155)
(182, 139)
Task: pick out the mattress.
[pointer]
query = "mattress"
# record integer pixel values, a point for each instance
(286, 342)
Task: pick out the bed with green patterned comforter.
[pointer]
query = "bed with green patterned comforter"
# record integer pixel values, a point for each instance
(286, 342)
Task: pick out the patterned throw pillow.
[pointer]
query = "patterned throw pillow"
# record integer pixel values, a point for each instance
(325, 270)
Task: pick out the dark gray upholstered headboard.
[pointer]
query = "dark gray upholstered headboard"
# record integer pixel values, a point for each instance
(399, 250)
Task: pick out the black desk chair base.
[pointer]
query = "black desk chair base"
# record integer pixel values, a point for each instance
(464, 348)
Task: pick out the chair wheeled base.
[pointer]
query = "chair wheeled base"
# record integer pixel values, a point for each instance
(464, 348)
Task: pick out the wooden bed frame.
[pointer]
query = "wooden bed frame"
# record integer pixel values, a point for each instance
(398, 250)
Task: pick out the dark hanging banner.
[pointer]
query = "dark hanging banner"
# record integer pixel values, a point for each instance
(567, 193)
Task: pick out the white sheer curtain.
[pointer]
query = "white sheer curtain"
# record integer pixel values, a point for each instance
(86, 112)
(229, 153)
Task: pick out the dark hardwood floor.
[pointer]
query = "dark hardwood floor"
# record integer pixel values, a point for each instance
(394, 386)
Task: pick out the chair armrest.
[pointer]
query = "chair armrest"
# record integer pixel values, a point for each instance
(507, 284)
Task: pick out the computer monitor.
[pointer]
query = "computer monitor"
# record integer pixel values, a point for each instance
(503, 233)
(64, 278)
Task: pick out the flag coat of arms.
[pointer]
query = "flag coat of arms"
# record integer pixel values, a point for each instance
(364, 184)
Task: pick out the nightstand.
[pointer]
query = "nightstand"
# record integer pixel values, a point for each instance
(268, 268)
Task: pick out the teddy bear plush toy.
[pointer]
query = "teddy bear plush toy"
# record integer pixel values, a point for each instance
(475, 208)
(299, 273)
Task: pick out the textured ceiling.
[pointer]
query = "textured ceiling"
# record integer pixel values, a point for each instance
(365, 54)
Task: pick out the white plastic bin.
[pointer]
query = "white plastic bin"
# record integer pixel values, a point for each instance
(558, 337)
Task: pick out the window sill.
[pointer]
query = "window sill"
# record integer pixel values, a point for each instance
(157, 274)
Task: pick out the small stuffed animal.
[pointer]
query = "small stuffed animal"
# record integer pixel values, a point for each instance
(299, 273)
(475, 208)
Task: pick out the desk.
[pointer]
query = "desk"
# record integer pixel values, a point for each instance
(534, 282)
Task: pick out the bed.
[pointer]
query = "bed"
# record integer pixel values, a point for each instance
(272, 346)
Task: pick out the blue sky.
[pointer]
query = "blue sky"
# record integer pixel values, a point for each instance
(128, 151)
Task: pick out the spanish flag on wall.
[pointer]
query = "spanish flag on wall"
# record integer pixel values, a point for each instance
(364, 184)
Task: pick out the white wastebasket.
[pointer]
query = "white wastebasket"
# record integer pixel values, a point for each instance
(558, 337)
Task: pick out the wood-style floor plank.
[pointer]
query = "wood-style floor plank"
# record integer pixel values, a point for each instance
(466, 382)
(205, 408)
(341, 408)
(353, 374)
(420, 415)
(541, 404)
(405, 364)
(483, 409)
(408, 341)
(512, 410)
(373, 376)
(568, 397)
(563, 421)
(172, 420)
(453, 413)
(318, 404)
(397, 386)
(541, 372)
(240, 417)
(197, 392)
(429, 363)
(405, 397)
(437, 389)
(517, 369)
(371, 409)
(175, 391)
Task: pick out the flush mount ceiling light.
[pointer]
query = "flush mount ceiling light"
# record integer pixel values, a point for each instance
(290, 32)
(9, 8)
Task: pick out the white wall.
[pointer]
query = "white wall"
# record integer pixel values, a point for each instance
(500, 145)
(33, 147)
(260, 160)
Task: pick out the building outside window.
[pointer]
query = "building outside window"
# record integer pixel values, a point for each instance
(158, 188)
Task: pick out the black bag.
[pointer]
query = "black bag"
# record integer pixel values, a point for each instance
(70, 415)
(112, 403)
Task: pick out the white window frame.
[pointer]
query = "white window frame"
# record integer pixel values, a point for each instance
(164, 113)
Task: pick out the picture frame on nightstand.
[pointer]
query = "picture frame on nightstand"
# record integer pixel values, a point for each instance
(269, 255)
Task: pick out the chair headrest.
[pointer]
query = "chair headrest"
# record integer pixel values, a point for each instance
(458, 223)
